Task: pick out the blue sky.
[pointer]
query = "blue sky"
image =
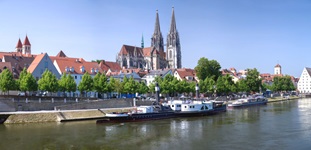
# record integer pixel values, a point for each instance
(237, 33)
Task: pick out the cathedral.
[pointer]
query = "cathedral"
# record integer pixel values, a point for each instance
(154, 57)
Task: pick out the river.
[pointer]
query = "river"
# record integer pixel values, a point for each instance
(280, 125)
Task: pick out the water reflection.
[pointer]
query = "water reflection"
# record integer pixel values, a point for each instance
(284, 125)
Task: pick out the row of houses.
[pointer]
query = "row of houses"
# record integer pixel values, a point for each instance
(36, 64)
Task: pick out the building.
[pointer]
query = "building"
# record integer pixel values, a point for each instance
(152, 74)
(278, 69)
(304, 83)
(41, 63)
(153, 57)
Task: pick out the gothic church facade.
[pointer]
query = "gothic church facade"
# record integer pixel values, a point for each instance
(153, 57)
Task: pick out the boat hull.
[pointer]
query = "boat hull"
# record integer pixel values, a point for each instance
(137, 117)
(246, 104)
(160, 115)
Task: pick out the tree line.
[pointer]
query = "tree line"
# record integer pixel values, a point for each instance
(211, 81)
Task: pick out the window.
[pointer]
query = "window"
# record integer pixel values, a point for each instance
(170, 54)
(75, 77)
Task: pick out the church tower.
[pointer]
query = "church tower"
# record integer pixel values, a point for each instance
(26, 46)
(278, 69)
(173, 53)
(157, 39)
(19, 46)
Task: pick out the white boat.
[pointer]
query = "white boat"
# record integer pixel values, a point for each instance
(249, 101)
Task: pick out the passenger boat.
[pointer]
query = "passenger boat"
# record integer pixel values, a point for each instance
(170, 109)
(249, 101)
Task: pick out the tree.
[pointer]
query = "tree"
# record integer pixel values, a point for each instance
(86, 84)
(71, 84)
(101, 83)
(282, 84)
(67, 83)
(166, 85)
(115, 85)
(208, 68)
(158, 80)
(225, 84)
(143, 88)
(207, 86)
(27, 82)
(130, 86)
(6, 81)
(253, 81)
(48, 82)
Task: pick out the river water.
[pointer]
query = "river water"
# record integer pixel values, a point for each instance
(280, 125)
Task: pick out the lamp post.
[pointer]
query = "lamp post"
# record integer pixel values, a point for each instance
(197, 89)
(157, 90)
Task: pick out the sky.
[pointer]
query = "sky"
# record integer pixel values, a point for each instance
(236, 33)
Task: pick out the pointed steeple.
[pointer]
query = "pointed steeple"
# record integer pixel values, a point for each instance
(19, 44)
(157, 39)
(26, 41)
(173, 53)
(26, 46)
(142, 41)
(157, 29)
(173, 23)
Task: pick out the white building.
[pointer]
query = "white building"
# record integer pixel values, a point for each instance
(304, 83)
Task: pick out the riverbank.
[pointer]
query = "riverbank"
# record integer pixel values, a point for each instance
(278, 99)
(59, 116)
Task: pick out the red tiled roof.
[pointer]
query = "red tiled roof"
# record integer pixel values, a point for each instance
(147, 51)
(19, 44)
(184, 72)
(26, 41)
(5, 65)
(130, 50)
(106, 65)
(76, 63)
(19, 62)
(35, 63)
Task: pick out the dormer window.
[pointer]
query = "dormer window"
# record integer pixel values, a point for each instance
(72, 69)
(92, 70)
(96, 70)
(82, 69)
(66, 69)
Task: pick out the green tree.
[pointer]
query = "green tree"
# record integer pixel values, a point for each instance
(6, 81)
(143, 88)
(27, 82)
(86, 84)
(253, 81)
(67, 83)
(282, 84)
(71, 84)
(48, 82)
(115, 85)
(165, 85)
(207, 86)
(208, 68)
(158, 80)
(101, 83)
(131, 86)
(225, 84)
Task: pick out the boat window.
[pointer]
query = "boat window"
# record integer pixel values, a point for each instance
(202, 108)
(185, 106)
(206, 107)
(172, 105)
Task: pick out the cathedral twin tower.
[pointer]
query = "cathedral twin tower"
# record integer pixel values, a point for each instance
(154, 57)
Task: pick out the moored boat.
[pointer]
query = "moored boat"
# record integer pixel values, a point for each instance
(249, 101)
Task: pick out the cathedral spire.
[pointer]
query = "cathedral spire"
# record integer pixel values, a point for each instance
(173, 22)
(157, 29)
(157, 39)
(173, 54)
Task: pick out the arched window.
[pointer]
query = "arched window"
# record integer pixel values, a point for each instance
(170, 54)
